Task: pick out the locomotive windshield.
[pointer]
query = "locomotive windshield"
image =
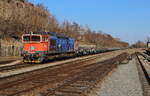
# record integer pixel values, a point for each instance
(35, 38)
(31, 38)
(26, 38)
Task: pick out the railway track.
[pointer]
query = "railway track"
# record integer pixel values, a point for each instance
(20, 68)
(6, 62)
(74, 79)
(14, 67)
(143, 65)
(9, 65)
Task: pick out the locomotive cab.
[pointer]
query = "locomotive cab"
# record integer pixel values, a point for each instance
(35, 47)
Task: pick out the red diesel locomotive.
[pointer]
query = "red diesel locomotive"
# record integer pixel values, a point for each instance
(38, 47)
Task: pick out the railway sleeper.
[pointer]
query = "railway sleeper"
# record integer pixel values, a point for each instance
(66, 92)
(77, 87)
(83, 87)
(82, 83)
(71, 90)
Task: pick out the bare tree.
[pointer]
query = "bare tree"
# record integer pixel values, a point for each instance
(19, 16)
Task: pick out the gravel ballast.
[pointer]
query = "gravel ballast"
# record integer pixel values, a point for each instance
(124, 81)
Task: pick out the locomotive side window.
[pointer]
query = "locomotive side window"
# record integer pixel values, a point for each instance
(53, 42)
(26, 38)
(45, 39)
(35, 38)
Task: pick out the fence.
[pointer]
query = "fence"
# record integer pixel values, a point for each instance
(9, 49)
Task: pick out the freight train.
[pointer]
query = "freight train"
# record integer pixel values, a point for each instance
(38, 47)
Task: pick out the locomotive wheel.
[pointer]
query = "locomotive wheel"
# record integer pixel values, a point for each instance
(41, 60)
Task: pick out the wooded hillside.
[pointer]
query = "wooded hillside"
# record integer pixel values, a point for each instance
(19, 16)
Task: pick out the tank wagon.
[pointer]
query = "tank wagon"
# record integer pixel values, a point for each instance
(37, 47)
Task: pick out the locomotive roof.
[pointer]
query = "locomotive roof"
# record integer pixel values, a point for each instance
(62, 36)
(45, 33)
(52, 34)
